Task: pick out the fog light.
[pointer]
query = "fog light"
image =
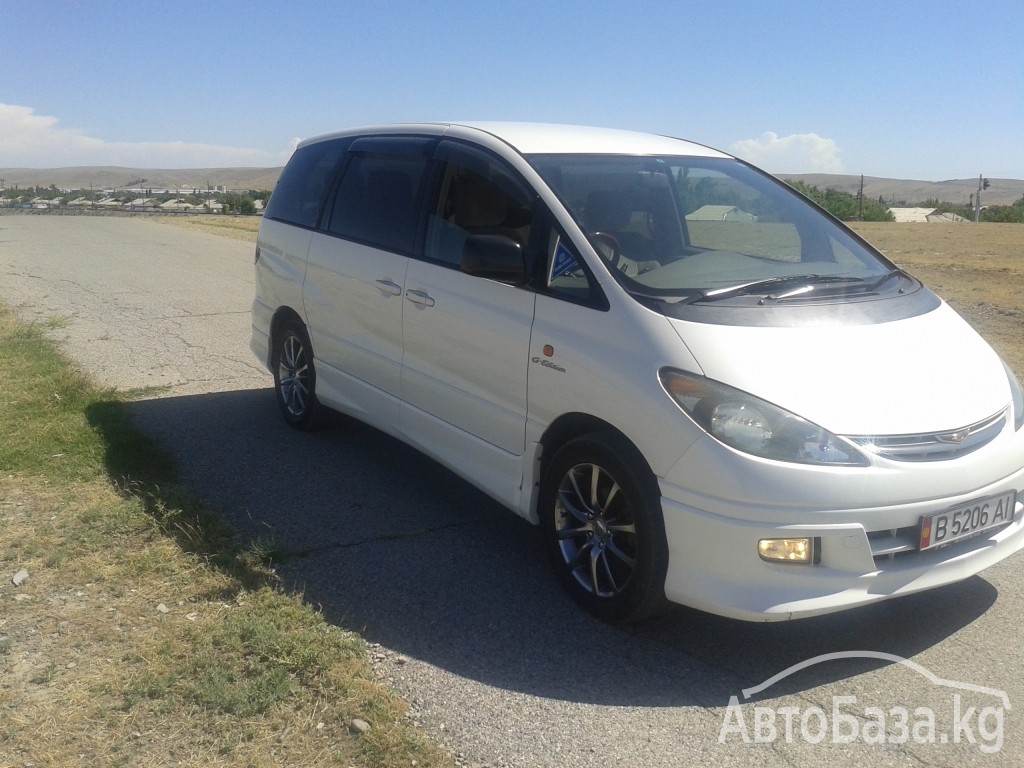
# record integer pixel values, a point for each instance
(800, 551)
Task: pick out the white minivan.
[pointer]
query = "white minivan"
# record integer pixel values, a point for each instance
(704, 388)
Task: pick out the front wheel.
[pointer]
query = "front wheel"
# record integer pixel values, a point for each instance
(295, 377)
(603, 527)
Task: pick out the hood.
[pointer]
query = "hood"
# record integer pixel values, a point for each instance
(928, 373)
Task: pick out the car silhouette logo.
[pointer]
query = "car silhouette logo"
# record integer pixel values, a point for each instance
(748, 692)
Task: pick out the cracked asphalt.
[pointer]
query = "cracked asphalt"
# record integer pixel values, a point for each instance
(468, 623)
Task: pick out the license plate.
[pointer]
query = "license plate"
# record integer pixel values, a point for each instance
(966, 520)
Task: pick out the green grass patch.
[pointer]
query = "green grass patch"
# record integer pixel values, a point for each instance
(42, 405)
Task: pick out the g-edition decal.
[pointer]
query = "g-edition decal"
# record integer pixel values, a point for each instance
(547, 364)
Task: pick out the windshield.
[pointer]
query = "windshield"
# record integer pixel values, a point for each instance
(707, 229)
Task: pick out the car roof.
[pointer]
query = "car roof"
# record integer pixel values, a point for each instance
(543, 138)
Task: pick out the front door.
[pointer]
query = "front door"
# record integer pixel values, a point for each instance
(467, 339)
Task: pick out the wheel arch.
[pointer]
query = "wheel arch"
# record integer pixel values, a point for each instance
(572, 443)
(568, 427)
(282, 316)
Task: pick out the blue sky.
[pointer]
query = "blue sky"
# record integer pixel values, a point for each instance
(910, 89)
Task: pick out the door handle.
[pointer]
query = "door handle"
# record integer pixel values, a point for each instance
(389, 287)
(420, 297)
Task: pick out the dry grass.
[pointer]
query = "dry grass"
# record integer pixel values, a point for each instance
(237, 227)
(142, 635)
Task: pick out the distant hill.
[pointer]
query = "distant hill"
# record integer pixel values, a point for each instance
(958, 191)
(114, 177)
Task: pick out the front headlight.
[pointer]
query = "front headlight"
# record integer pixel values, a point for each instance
(1018, 398)
(755, 426)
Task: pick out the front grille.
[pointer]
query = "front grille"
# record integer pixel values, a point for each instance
(933, 446)
(886, 545)
(897, 543)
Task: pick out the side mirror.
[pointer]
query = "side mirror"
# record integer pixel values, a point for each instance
(495, 257)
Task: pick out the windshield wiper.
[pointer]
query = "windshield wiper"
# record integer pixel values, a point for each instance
(874, 286)
(803, 282)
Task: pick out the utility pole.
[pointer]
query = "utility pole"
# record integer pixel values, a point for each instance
(860, 200)
(982, 184)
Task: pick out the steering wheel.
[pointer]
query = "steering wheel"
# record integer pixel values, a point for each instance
(607, 247)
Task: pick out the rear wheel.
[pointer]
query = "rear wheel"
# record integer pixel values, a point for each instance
(603, 527)
(295, 377)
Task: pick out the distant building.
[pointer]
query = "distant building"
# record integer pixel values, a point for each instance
(176, 205)
(945, 218)
(924, 216)
(720, 213)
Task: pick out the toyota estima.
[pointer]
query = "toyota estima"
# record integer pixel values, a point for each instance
(703, 387)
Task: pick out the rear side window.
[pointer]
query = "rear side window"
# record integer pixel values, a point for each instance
(304, 182)
(378, 200)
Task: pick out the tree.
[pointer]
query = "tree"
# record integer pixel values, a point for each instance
(843, 205)
(1013, 214)
(236, 203)
(876, 212)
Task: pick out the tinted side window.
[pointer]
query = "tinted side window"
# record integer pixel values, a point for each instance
(300, 190)
(378, 200)
(478, 196)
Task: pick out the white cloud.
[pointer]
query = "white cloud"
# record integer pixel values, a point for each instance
(37, 141)
(798, 153)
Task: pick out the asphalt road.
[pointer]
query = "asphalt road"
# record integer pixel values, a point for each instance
(497, 663)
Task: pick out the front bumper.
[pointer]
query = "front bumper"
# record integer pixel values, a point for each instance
(714, 565)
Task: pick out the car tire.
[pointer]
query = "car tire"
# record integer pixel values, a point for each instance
(295, 377)
(600, 510)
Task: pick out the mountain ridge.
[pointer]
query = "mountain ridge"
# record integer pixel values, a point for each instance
(100, 177)
(896, 191)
